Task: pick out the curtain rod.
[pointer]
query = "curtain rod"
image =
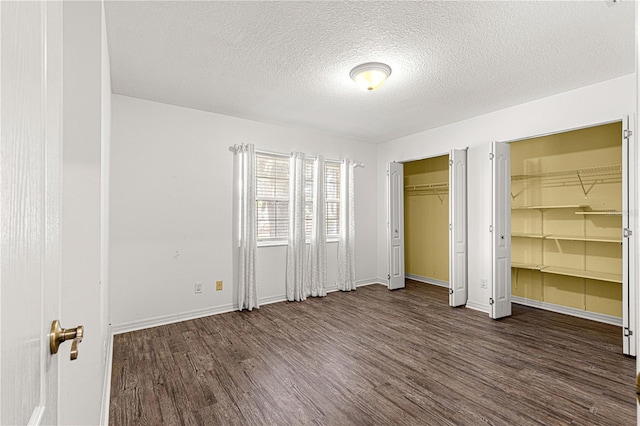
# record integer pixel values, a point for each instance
(234, 148)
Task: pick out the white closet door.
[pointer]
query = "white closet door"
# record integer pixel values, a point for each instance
(395, 225)
(500, 301)
(629, 234)
(457, 227)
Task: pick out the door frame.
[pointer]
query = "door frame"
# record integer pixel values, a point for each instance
(442, 154)
(632, 159)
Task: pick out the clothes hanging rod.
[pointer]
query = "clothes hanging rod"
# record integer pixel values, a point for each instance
(439, 185)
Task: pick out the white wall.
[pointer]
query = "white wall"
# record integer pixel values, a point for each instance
(171, 209)
(606, 101)
(81, 381)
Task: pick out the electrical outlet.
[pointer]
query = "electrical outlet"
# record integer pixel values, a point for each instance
(198, 288)
(483, 283)
(218, 285)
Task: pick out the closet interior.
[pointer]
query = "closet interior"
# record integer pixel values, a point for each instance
(566, 221)
(426, 220)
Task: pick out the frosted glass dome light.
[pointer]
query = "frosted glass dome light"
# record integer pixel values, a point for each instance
(371, 75)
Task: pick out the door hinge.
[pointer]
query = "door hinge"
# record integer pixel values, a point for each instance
(627, 133)
(491, 156)
(491, 301)
(490, 228)
(450, 227)
(451, 162)
(450, 291)
(389, 277)
(627, 332)
(626, 232)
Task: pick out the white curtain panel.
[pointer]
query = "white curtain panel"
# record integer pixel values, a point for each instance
(346, 245)
(296, 248)
(316, 268)
(245, 158)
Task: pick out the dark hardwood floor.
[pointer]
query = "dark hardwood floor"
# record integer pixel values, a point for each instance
(374, 356)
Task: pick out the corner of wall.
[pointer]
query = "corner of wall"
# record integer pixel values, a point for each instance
(105, 145)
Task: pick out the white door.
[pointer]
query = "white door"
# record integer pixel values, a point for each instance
(629, 176)
(457, 227)
(30, 165)
(395, 225)
(500, 300)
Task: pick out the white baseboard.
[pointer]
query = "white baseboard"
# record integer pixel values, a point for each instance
(106, 387)
(593, 316)
(272, 299)
(199, 313)
(477, 306)
(172, 318)
(369, 281)
(383, 281)
(427, 280)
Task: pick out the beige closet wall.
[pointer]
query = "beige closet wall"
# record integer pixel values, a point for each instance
(593, 147)
(426, 219)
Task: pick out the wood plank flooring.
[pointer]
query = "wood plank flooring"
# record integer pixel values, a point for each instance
(374, 356)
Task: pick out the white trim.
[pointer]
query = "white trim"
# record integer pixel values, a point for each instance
(477, 306)
(214, 310)
(580, 313)
(172, 318)
(271, 153)
(272, 243)
(557, 132)
(36, 416)
(272, 299)
(369, 281)
(284, 243)
(383, 281)
(427, 280)
(426, 158)
(332, 289)
(106, 388)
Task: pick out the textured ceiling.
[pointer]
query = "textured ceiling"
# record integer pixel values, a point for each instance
(289, 62)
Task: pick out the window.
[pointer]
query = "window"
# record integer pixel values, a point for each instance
(332, 198)
(308, 196)
(272, 197)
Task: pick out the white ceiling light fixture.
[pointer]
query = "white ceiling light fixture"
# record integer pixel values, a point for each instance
(371, 75)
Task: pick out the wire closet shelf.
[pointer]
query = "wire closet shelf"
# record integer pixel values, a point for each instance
(586, 177)
(612, 172)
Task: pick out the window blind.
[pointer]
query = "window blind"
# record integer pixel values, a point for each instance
(272, 197)
(308, 197)
(332, 196)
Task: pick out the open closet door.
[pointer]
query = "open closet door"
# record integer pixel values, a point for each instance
(500, 301)
(457, 227)
(628, 234)
(395, 225)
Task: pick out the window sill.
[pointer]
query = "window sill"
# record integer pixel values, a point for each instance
(285, 243)
(271, 243)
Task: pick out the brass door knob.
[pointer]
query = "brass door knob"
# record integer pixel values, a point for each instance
(59, 335)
